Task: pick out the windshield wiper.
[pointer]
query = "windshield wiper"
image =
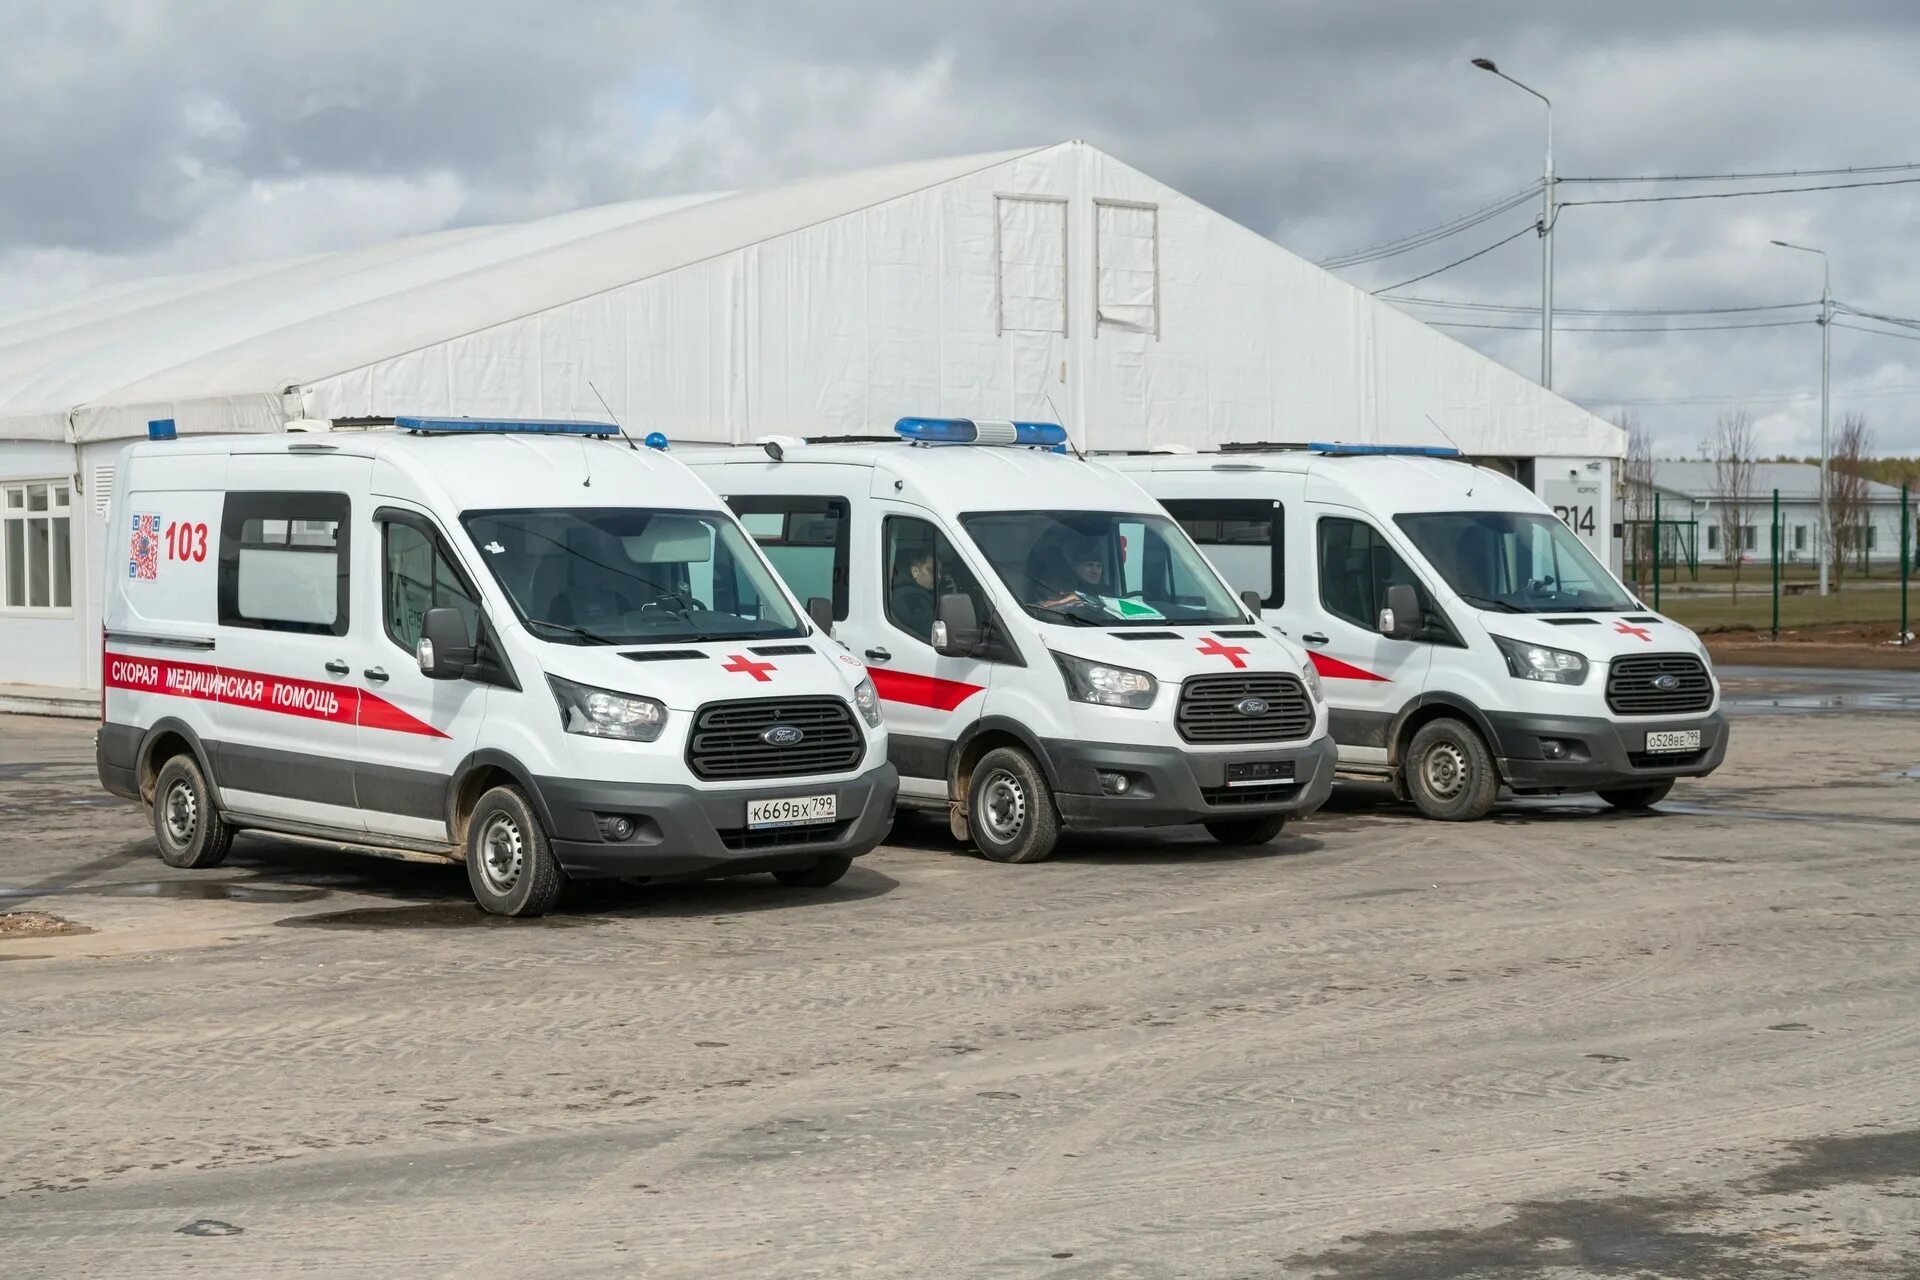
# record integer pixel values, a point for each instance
(1488, 602)
(593, 637)
(1063, 615)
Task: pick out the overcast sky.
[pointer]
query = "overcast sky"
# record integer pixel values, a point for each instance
(145, 137)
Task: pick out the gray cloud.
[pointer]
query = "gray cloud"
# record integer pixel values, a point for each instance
(141, 138)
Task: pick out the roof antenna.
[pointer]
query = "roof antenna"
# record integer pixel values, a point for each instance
(1443, 433)
(1055, 410)
(611, 414)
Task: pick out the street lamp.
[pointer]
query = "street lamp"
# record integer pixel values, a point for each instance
(1546, 229)
(1826, 369)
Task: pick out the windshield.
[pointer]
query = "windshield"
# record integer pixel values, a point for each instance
(1514, 561)
(1102, 568)
(627, 575)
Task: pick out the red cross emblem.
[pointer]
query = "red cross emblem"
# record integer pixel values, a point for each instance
(1231, 652)
(1621, 626)
(741, 664)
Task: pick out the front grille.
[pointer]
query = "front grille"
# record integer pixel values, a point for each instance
(1210, 708)
(1278, 793)
(1630, 690)
(725, 742)
(747, 840)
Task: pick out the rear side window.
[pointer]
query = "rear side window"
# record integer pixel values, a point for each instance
(1244, 538)
(284, 562)
(805, 539)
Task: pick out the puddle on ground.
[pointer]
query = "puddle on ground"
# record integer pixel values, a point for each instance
(192, 890)
(8, 957)
(430, 915)
(1779, 815)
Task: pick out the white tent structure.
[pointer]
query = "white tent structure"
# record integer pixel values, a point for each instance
(1054, 283)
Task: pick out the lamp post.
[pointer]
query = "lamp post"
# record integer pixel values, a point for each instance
(1826, 369)
(1546, 229)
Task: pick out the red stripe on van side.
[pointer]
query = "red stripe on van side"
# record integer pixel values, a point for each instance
(921, 691)
(1334, 669)
(336, 703)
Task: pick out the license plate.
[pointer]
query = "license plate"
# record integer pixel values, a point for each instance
(791, 811)
(1674, 740)
(1259, 773)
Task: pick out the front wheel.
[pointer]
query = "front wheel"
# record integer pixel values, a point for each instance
(818, 876)
(189, 831)
(510, 863)
(1449, 771)
(1010, 810)
(1637, 797)
(1248, 830)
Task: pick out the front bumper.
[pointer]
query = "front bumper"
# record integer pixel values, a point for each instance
(686, 833)
(1168, 786)
(1604, 753)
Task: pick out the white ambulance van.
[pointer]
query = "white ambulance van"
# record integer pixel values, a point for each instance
(1051, 650)
(529, 646)
(1466, 637)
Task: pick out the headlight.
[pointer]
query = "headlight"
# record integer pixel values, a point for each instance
(1310, 677)
(867, 699)
(1538, 662)
(1107, 686)
(599, 713)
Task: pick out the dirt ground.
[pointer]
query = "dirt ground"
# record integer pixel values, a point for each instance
(1852, 648)
(1561, 1042)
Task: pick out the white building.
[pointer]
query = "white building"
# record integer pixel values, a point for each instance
(1690, 493)
(1055, 284)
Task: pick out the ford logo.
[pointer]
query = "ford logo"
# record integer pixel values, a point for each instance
(781, 735)
(1666, 684)
(1251, 706)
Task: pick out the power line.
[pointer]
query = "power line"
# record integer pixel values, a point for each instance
(1860, 328)
(1755, 397)
(1905, 322)
(1521, 308)
(1532, 226)
(1743, 177)
(1734, 195)
(1684, 328)
(1428, 235)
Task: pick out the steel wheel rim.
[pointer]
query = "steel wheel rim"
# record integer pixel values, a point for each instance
(1444, 769)
(181, 811)
(503, 853)
(1003, 806)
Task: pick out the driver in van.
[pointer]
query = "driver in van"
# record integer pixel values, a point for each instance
(911, 595)
(1071, 568)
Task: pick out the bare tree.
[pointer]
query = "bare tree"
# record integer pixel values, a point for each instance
(1637, 504)
(1847, 489)
(1732, 451)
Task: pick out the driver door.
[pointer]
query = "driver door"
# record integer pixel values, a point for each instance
(1368, 677)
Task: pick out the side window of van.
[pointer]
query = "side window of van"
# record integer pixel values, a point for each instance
(1356, 568)
(284, 562)
(418, 577)
(805, 539)
(1245, 539)
(921, 566)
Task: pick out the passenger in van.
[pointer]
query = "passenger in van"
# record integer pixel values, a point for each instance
(1068, 569)
(911, 595)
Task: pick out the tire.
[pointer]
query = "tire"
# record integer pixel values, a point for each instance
(1637, 797)
(189, 830)
(818, 876)
(1449, 771)
(510, 863)
(1248, 830)
(1010, 809)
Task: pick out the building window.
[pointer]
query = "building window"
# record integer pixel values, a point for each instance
(1030, 246)
(1126, 267)
(36, 562)
(1749, 537)
(1799, 537)
(1869, 531)
(1713, 537)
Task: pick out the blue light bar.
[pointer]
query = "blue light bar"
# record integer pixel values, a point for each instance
(507, 426)
(1385, 450)
(1044, 435)
(161, 429)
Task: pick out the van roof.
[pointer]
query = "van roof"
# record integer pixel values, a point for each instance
(1393, 483)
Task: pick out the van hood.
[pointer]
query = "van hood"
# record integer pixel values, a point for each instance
(1598, 637)
(1170, 654)
(688, 676)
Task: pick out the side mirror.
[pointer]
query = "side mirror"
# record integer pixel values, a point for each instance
(1253, 602)
(445, 649)
(956, 633)
(1401, 619)
(820, 611)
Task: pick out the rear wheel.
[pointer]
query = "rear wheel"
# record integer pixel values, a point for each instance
(510, 863)
(188, 830)
(1010, 809)
(1248, 830)
(1637, 797)
(1449, 771)
(818, 876)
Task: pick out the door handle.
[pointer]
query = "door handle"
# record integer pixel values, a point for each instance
(1314, 637)
(338, 667)
(879, 655)
(376, 674)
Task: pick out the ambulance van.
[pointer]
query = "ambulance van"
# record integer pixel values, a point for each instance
(1051, 650)
(529, 646)
(1467, 639)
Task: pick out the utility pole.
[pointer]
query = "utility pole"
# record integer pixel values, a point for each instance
(1826, 380)
(1546, 228)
